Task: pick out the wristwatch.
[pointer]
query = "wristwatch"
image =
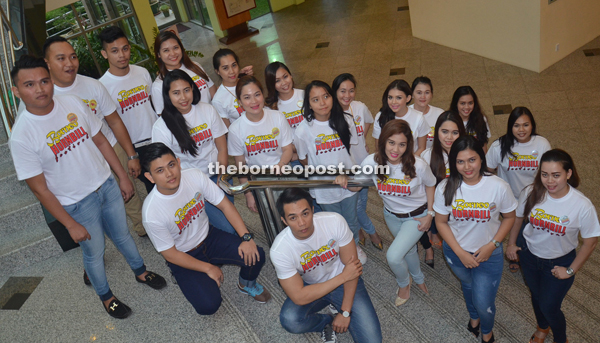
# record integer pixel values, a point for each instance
(431, 213)
(247, 237)
(496, 243)
(345, 314)
(570, 271)
(134, 157)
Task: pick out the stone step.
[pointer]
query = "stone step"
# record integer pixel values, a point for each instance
(6, 165)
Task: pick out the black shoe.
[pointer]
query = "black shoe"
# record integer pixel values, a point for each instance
(492, 340)
(474, 330)
(153, 280)
(430, 263)
(86, 279)
(117, 309)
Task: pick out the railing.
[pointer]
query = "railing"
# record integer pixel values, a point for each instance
(266, 193)
(10, 43)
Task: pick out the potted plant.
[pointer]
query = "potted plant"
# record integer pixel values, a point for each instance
(154, 6)
(165, 10)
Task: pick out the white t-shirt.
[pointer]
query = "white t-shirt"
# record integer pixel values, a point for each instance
(316, 258)
(131, 94)
(96, 97)
(292, 108)
(204, 126)
(202, 84)
(489, 133)
(362, 116)
(261, 142)
(430, 118)
(475, 210)
(415, 120)
(400, 193)
(59, 145)
(520, 169)
(426, 155)
(554, 223)
(226, 103)
(322, 146)
(180, 219)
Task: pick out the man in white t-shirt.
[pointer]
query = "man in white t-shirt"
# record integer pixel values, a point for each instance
(316, 263)
(129, 87)
(175, 216)
(60, 152)
(63, 65)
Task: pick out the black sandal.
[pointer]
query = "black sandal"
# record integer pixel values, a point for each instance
(474, 330)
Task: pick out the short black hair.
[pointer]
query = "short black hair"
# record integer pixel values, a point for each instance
(50, 41)
(111, 34)
(292, 195)
(154, 151)
(27, 62)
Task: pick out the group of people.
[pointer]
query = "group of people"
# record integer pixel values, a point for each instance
(440, 184)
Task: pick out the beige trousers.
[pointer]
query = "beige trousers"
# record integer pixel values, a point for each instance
(133, 207)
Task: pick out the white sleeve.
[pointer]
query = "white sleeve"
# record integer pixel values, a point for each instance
(287, 134)
(344, 234)
(423, 129)
(159, 235)
(589, 222)
(352, 127)
(300, 144)
(368, 161)
(157, 97)
(27, 162)
(368, 116)
(426, 175)
(507, 201)
(488, 127)
(493, 155)
(218, 127)
(106, 105)
(522, 200)
(376, 127)
(160, 135)
(284, 266)
(439, 203)
(220, 108)
(235, 145)
(209, 82)
(211, 192)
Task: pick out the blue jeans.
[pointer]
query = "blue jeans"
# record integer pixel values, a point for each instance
(547, 292)
(346, 208)
(215, 216)
(364, 323)
(479, 285)
(219, 247)
(103, 212)
(402, 255)
(361, 208)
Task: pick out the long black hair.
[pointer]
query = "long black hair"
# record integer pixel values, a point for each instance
(437, 164)
(508, 140)
(173, 118)
(386, 112)
(466, 142)
(476, 124)
(270, 80)
(337, 121)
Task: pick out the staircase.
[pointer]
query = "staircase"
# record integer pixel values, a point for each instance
(24, 235)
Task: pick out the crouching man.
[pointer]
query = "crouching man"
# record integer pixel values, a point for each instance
(316, 263)
(175, 219)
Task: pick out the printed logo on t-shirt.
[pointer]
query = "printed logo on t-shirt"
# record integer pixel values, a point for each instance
(523, 162)
(360, 130)
(237, 107)
(294, 118)
(188, 213)
(201, 134)
(328, 143)
(199, 82)
(431, 134)
(472, 211)
(92, 104)
(395, 187)
(260, 144)
(131, 98)
(555, 225)
(67, 138)
(310, 260)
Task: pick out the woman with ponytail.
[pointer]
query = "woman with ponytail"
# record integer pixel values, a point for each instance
(558, 214)
(194, 131)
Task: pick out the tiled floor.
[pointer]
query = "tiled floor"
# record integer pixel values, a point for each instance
(368, 38)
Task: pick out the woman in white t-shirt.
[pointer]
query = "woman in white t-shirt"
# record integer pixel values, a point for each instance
(394, 103)
(515, 156)
(557, 214)
(422, 94)
(448, 127)
(283, 97)
(170, 55)
(468, 205)
(325, 138)
(227, 66)
(261, 136)
(465, 102)
(194, 131)
(344, 86)
(407, 192)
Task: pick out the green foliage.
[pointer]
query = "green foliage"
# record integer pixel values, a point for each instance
(165, 7)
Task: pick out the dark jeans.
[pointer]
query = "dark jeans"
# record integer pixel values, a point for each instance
(425, 242)
(149, 185)
(547, 292)
(219, 247)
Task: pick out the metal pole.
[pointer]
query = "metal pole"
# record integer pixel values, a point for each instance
(83, 30)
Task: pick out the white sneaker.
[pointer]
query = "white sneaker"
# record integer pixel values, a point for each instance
(361, 255)
(328, 335)
(332, 310)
